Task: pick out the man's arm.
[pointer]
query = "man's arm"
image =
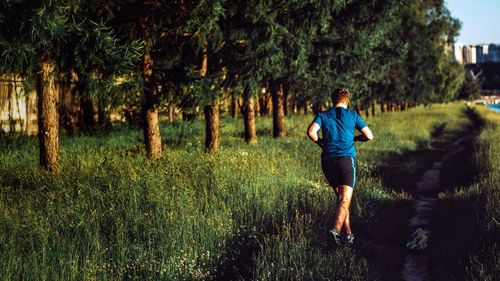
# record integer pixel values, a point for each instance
(366, 135)
(312, 133)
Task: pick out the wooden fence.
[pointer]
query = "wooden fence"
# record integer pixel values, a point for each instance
(18, 108)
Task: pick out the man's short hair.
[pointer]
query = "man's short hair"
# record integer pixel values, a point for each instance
(340, 95)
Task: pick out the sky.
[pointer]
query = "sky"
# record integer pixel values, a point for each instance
(480, 20)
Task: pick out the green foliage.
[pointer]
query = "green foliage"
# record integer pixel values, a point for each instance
(66, 33)
(381, 50)
(471, 88)
(427, 73)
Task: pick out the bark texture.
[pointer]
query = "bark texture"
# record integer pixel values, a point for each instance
(70, 107)
(373, 108)
(212, 135)
(171, 112)
(249, 119)
(152, 137)
(234, 106)
(278, 112)
(48, 120)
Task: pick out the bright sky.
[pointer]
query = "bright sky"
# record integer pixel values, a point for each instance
(480, 20)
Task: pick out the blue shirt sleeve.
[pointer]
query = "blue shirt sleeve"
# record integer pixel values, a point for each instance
(360, 123)
(317, 120)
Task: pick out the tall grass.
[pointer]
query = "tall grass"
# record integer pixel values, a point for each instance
(484, 260)
(247, 213)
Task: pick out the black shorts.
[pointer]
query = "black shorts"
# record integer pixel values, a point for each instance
(340, 170)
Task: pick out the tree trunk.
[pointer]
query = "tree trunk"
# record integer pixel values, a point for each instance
(234, 106)
(69, 108)
(249, 118)
(389, 106)
(317, 107)
(87, 120)
(104, 117)
(152, 137)
(264, 100)
(212, 121)
(48, 121)
(285, 102)
(367, 112)
(212, 135)
(382, 108)
(171, 112)
(278, 112)
(358, 108)
(373, 108)
(404, 106)
(264, 105)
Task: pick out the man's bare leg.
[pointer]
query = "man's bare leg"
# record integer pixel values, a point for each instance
(347, 222)
(342, 211)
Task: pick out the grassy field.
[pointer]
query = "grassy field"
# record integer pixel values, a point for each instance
(247, 213)
(467, 226)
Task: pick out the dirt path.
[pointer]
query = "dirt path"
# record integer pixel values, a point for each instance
(416, 265)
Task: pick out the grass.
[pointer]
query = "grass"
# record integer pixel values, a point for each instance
(468, 227)
(247, 213)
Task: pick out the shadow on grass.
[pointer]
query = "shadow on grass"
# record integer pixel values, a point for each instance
(453, 238)
(376, 255)
(400, 171)
(382, 239)
(380, 227)
(454, 222)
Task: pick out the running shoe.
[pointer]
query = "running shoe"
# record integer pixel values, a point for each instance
(349, 239)
(336, 236)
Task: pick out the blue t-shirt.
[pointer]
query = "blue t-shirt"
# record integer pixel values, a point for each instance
(338, 124)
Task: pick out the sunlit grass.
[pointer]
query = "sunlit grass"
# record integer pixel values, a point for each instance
(248, 212)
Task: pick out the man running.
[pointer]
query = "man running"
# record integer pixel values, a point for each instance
(338, 158)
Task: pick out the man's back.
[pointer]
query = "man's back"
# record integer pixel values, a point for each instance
(338, 124)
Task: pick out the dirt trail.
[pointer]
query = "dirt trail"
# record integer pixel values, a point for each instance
(416, 265)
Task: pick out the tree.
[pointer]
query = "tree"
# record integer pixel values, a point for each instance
(471, 88)
(203, 24)
(427, 73)
(155, 24)
(33, 37)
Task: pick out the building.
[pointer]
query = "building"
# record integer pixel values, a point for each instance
(469, 54)
(482, 53)
(479, 53)
(459, 52)
(494, 53)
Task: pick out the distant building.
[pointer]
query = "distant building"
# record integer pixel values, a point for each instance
(469, 54)
(494, 53)
(480, 53)
(459, 52)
